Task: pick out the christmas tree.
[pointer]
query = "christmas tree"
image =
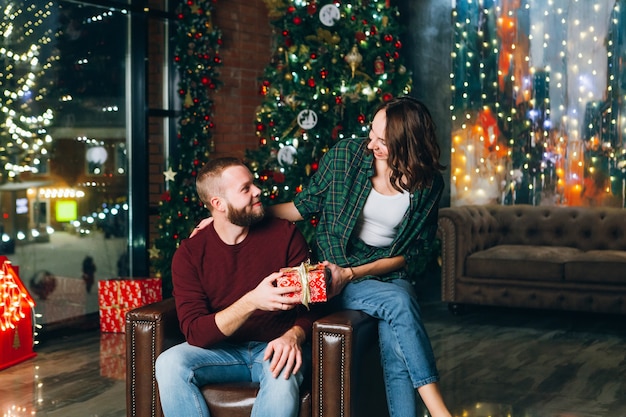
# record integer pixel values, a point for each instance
(27, 56)
(332, 64)
(197, 58)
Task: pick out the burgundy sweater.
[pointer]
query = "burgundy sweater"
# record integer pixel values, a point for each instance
(209, 275)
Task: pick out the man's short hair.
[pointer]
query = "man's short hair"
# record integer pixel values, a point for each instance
(208, 184)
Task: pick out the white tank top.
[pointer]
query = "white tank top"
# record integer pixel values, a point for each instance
(378, 223)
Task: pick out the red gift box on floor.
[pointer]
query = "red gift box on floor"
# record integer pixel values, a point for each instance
(313, 278)
(117, 296)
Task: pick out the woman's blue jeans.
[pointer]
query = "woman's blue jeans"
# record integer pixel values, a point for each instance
(406, 353)
(183, 369)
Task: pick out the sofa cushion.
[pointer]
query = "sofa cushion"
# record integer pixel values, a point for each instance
(597, 266)
(536, 263)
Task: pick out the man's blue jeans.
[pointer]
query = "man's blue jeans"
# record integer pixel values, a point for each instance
(406, 353)
(183, 369)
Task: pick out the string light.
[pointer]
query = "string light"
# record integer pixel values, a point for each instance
(25, 116)
(544, 77)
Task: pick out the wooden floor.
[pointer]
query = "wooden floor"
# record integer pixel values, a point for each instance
(493, 362)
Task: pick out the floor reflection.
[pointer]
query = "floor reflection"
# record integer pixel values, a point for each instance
(493, 363)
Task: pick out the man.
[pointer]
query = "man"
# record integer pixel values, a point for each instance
(238, 325)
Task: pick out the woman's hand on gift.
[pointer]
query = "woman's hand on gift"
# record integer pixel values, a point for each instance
(204, 223)
(286, 352)
(340, 278)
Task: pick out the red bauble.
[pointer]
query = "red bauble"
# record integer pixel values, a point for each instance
(279, 177)
(361, 118)
(291, 9)
(260, 127)
(311, 82)
(388, 38)
(338, 100)
(313, 55)
(297, 20)
(398, 44)
(314, 222)
(359, 36)
(387, 96)
(323, 74)
(204, 80)
(315, 166)
(312, 8)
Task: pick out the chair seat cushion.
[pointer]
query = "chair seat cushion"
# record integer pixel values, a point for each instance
(236, 399)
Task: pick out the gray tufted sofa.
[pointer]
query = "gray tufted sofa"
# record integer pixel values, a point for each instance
(566, 258)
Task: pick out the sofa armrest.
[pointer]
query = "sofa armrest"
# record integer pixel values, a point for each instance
(150, 330)
(347, 376)
(463, 231)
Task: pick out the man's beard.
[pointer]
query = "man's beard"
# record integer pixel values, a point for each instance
(242, 217)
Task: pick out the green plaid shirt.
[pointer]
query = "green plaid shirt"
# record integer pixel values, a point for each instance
(337, 194)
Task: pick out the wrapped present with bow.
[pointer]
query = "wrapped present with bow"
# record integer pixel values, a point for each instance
(312, 282)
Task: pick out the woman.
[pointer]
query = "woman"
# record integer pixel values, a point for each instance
(377, 204)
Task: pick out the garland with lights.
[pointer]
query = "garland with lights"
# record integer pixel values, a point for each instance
(332, 64)
(25, 115)
(197, 57)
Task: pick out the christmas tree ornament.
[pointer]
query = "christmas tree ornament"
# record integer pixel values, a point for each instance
(286, 155)
(169, 174)
(354, 59)
(329, 14)
(307, 119)
(379, 66)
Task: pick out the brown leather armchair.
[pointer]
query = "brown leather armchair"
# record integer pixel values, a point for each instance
(346, 375)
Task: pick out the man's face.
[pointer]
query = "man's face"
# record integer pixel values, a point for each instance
(242, 197)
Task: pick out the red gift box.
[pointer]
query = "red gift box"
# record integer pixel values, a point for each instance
(117, 296)
(314, 278)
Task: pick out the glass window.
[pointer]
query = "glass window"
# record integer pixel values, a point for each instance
(539, 102)
(64, 184)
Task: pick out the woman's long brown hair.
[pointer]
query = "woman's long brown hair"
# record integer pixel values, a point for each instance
(412, 143)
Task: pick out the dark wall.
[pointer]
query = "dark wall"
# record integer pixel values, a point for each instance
(427, 46)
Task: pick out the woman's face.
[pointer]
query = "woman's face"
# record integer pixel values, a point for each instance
(377, 143)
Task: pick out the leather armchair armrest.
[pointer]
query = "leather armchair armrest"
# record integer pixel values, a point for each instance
(347, 377)
(150, 330)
